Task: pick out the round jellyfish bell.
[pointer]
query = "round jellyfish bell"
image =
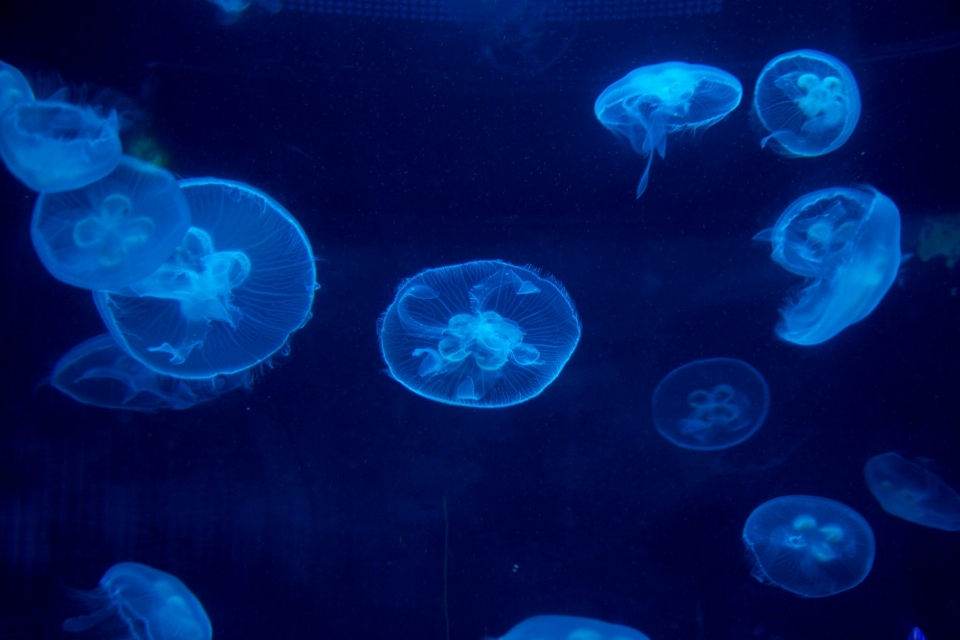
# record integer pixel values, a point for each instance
(51, 145)
(570, 628)
(14, 88)
(908, 491)
(114, 231)
(97, 372)
(479, 334)
(847, 243)
(710, 404)
(653, 101)
(228, 298)
(813, 547)
(808, 101)
(150, 603)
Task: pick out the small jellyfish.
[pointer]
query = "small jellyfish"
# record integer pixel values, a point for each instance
(151, 605)
(97, 372)
(813, 547)
(479, 334)
(908, 491)
(114, 231)
(14, 88)
(710, 404)
(846, 242)
(228, 298)
(808, 101)
(51, 145)
(570, 628)
(653, 101)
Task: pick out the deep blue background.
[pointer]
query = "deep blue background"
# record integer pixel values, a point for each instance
(313, 505)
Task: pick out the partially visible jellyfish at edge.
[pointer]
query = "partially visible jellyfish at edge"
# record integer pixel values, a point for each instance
(710, 404)
(909, 491)
(570, 628)
(481, 334)
(653, 101)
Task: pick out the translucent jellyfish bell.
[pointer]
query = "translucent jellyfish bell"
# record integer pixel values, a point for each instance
(710, 404)
(808, 101)
(908, 491)
(97, 372)
(56, 146)
(14, 88)
(813, 547)
(150, 603)
(480, 334)
(240, 282)
(114, 231)
(570, 628)
(653, 101)
(847, 243)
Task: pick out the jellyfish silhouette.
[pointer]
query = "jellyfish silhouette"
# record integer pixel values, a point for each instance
(14, 88)
(908, 491)
(51, 145)
(653, 101)
(148, 602)
(813, 547)
(808, 101)
(847, 243)
(240, 282)
(97, 372)
(570, 628)
(480, 334)
(114, 231)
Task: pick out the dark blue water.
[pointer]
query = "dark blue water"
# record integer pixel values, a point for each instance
(331, 502)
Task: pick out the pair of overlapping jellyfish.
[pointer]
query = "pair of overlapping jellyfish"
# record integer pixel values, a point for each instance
(480, 334)
(808, 101)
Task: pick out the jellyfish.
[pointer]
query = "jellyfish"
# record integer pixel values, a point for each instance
(813, 547)
(808, 101)
(480, 334)
(14, 88)
(50, 145)
(907, 490)
(710, 404)
(940, 236)
(653, 101)
(97, 372)
(570, 628)
(846, 242)
(112, 232)
(148, 602)
(240, 282)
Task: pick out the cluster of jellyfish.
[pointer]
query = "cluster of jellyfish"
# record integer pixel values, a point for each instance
(198, 281)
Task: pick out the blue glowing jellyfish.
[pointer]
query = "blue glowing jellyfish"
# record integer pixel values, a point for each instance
(97, 372)
(480, 334)
(114, 231)
(14, 88)
(847, 243)
(241, 281)
(570, 628)
(907, 490)
(710, 404)
(57, 146)
(814, 547)
(808, 101)
(653, 101)
(151, 604)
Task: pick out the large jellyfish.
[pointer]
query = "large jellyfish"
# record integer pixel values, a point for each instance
(907, 490)
(710, 404)
(97, 372)
(480, 334)
(114, 231)
(148, 602)
(808, 101)
(570, 628)
(14, 88)
(51, 145)
(847, 243)
(240, 282)
(653, 101)
(814, 547)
